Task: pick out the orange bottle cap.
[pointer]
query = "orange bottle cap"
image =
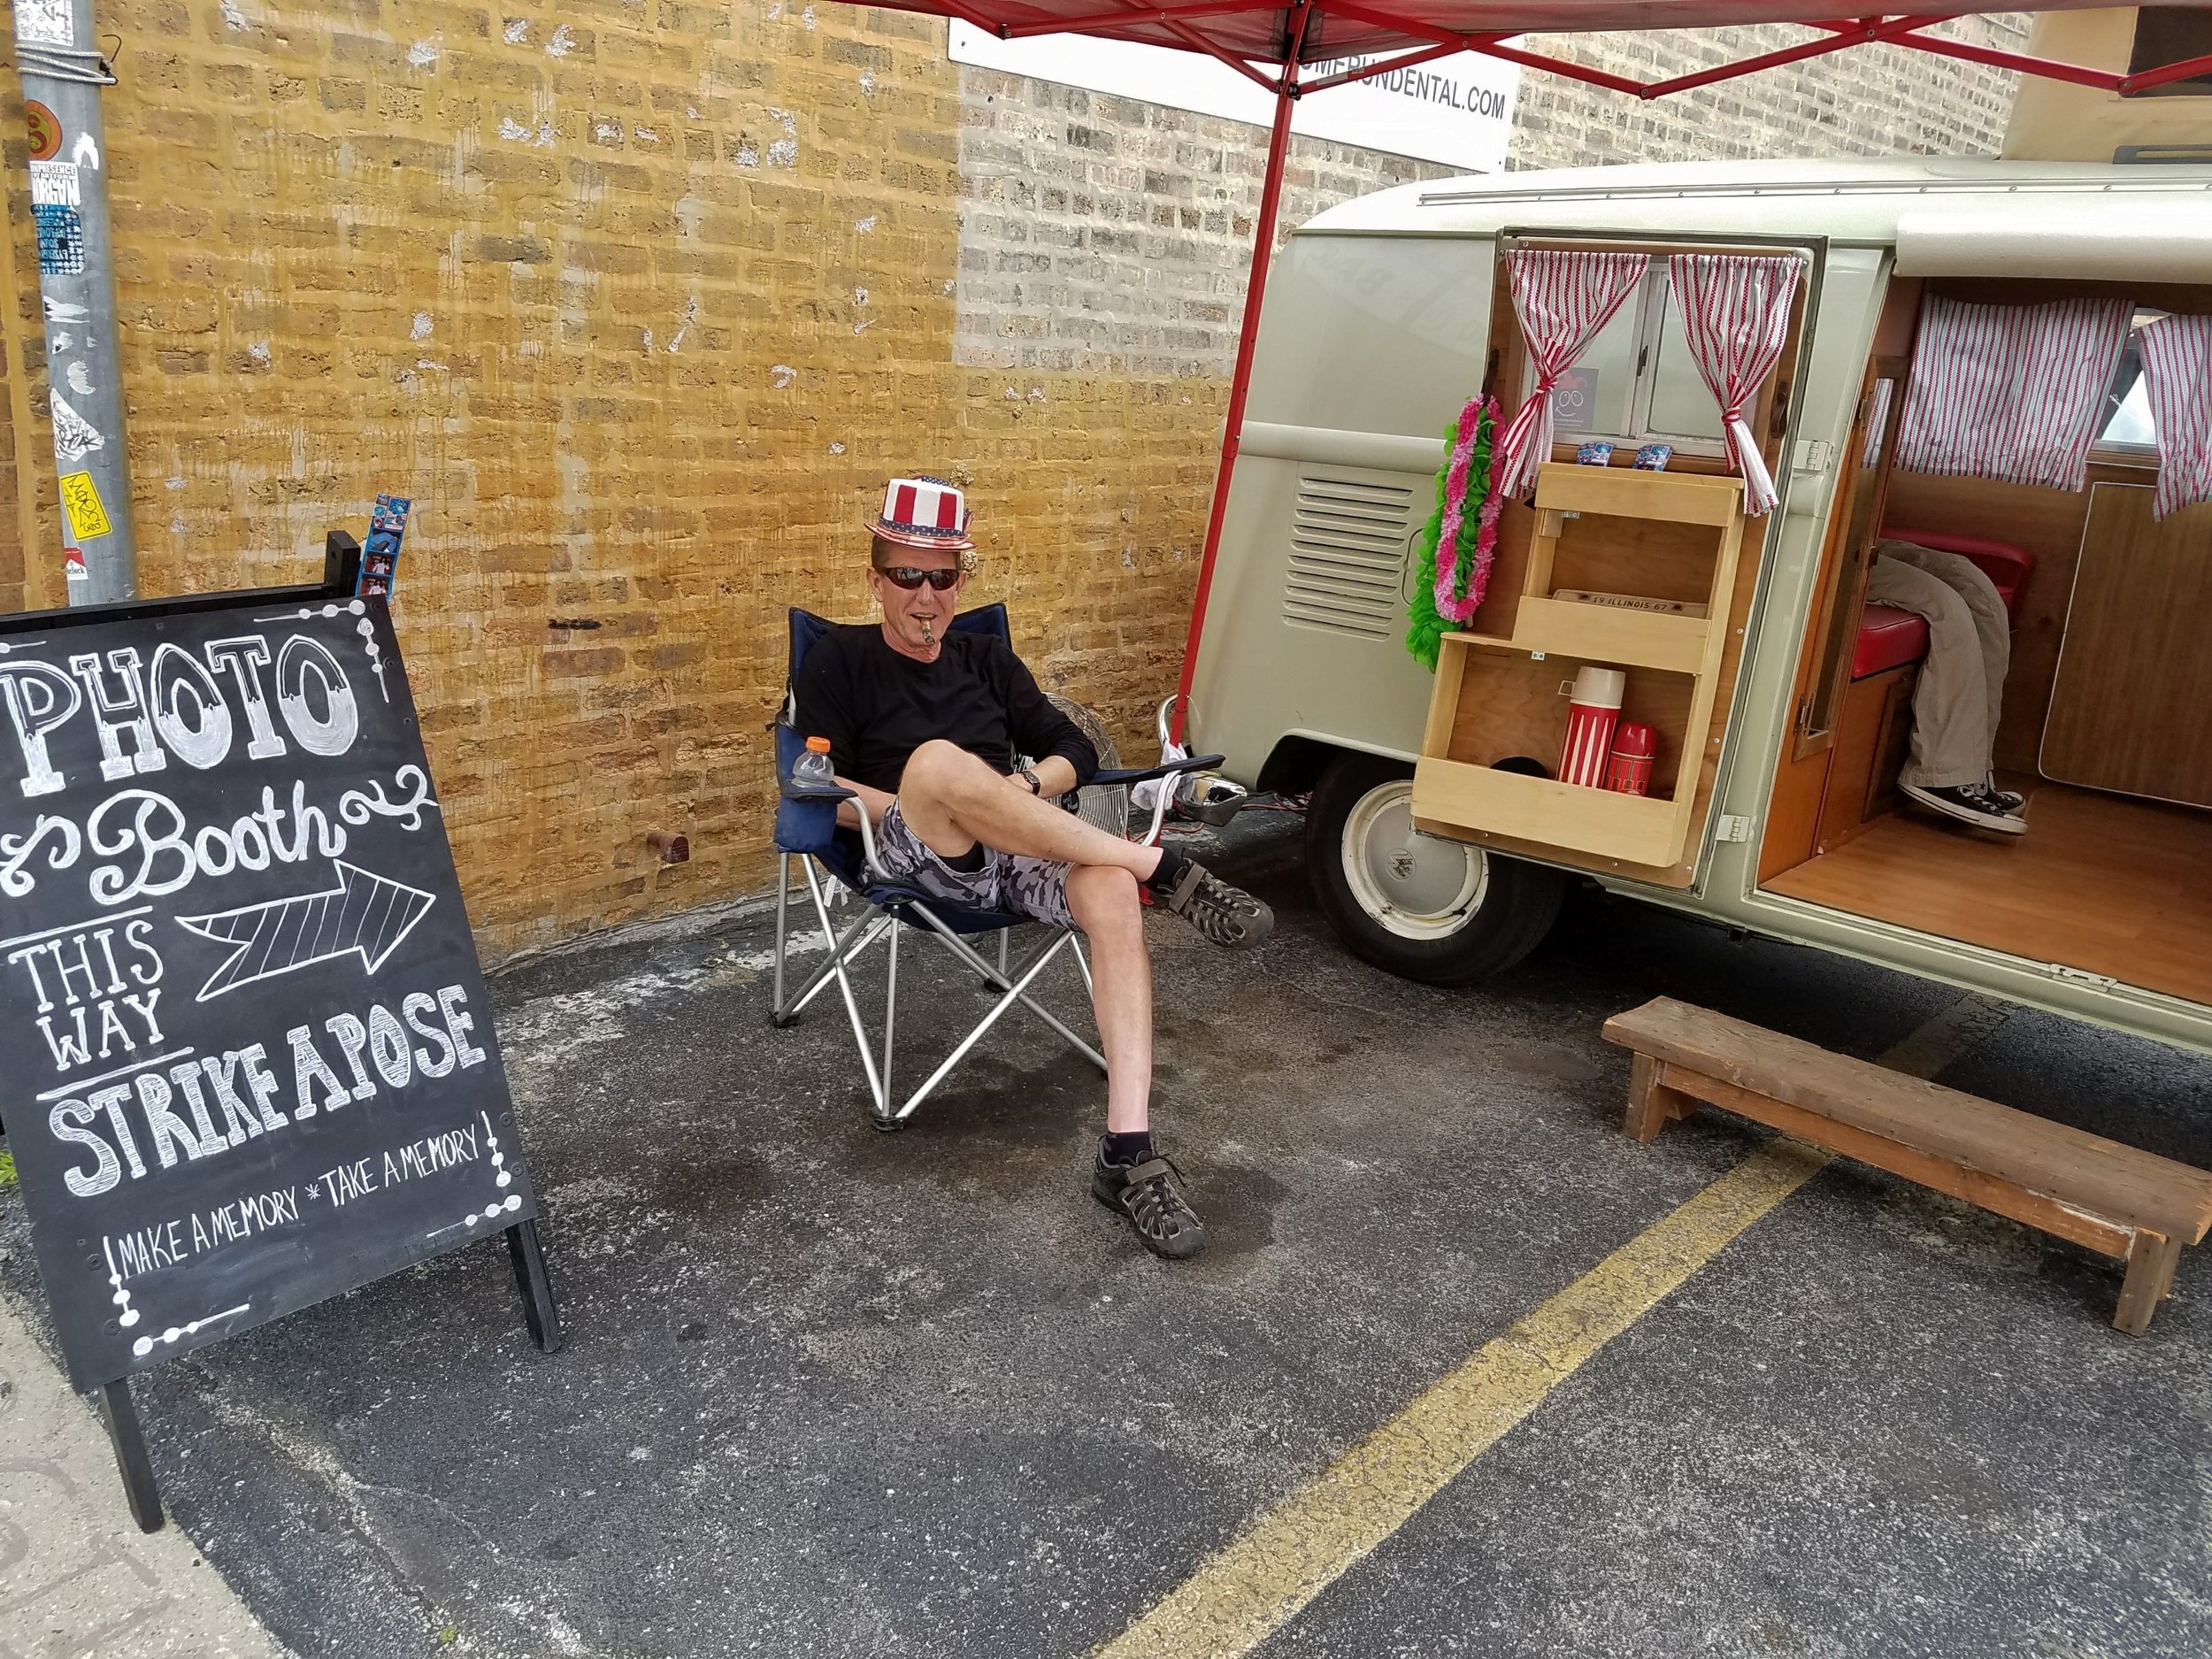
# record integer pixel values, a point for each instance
(819, 745)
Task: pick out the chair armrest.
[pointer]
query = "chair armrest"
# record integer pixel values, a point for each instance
(793, 790)
(1167, 768)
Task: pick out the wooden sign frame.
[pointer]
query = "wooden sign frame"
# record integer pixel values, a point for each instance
(254, 1065)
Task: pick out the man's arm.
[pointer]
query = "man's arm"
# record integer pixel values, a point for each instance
(1041, 730)
(875, 801)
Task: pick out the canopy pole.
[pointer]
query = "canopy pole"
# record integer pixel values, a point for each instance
(1240, 377)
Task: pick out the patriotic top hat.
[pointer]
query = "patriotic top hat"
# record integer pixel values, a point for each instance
(925, 513)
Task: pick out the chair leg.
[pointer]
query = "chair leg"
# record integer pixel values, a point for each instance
(1017, 991)
(877, 1094)
(1019, 994)
(869, 926)
(783, 905)
(890, 1011)
(1083, 963)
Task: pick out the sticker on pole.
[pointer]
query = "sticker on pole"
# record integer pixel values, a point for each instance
(74, 436)
(45, 22)
(60, 238)
(45, 131)
(55, 184)
(72, 564)
(81, 499)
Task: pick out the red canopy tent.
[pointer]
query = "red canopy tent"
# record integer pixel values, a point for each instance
(1274, 44)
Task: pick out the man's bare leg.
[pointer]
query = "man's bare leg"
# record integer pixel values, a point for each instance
(1104, 902)
(952, 799)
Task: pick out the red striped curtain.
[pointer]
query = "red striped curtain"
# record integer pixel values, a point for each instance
(1735, 317)
(2177, 364)
(2010, 392)
(1562, 298)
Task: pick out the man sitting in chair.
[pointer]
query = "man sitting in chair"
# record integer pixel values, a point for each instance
(930, 729)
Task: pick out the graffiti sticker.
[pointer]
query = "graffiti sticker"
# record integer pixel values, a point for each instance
(80, 496)
(60, 238)
(45, 22)
(56, 184)
(74, 434)
(45, 131)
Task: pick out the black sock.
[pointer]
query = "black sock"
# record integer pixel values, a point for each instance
(1172, 863)
(1128, 1150)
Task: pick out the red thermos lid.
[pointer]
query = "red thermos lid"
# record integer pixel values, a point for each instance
(1635, 741)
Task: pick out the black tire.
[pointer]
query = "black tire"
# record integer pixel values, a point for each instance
(1470, 913)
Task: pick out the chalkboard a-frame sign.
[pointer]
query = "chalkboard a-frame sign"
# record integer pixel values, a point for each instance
(249, 1061)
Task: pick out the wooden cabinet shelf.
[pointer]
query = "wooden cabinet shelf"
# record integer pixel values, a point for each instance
(1631, 639)
(1667, 541)
(1634, 828)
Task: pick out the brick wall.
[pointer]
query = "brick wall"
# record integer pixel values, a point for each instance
(1105, 232)
(1867, 101)
(639, 301)
(1097, 231)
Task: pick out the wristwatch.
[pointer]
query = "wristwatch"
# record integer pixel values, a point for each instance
(1030, 777)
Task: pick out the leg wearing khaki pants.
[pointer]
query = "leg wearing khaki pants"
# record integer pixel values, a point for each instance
(1961, 691)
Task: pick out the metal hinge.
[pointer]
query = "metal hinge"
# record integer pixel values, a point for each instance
(1732, 827)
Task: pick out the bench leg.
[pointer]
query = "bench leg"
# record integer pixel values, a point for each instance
(2151, 1260)
(1651, 1103)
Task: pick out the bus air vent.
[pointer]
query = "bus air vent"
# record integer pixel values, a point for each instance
(1347, 557)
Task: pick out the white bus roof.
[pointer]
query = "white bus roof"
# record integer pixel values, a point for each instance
(1944, 215)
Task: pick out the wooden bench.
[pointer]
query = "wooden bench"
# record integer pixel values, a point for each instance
(2126, 1203)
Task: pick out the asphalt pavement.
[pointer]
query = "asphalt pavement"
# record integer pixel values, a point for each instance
(835, 1392)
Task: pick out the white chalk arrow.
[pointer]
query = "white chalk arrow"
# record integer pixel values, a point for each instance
(87, 153)
(364, 913)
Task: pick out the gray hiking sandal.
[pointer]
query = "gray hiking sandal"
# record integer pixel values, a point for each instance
(1150, 1194)
(1230, 917)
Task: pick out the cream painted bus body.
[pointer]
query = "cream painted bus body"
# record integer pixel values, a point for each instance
(1377, 327)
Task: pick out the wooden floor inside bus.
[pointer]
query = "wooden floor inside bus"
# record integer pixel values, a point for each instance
(2100, 882)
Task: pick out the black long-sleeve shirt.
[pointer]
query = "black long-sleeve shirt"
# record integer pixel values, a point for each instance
(877, 706)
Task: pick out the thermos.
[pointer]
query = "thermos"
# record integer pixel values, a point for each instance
(1593, 708)
(1628, 769)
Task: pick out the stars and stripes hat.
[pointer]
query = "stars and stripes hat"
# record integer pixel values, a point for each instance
(925, 513)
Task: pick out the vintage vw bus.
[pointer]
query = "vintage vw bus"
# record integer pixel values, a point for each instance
(1442, 836)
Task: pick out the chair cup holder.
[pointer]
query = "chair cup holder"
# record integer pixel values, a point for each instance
(1211, 799)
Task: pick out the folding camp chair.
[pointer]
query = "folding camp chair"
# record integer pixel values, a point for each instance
(807, 830)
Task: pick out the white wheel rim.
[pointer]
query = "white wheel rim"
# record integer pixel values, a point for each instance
(1415, 886)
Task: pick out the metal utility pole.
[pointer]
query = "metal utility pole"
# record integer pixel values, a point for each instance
(63, 73)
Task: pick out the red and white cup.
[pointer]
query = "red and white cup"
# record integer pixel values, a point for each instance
(1593, 708)
(1628, 769)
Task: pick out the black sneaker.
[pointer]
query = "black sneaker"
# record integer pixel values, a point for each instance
(1230, 917)
(1970, 803)
(1150, 1194)
(2004, 799)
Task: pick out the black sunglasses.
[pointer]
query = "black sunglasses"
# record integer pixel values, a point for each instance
(906, 576)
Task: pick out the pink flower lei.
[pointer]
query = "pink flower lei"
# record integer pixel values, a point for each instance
(1469, 470)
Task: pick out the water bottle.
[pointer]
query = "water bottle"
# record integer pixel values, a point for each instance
(812, 770)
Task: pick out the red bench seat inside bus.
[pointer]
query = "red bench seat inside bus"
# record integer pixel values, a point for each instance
(1890, 638)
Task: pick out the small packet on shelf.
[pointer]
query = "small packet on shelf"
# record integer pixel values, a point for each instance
(1597, 452)
(1653, 457)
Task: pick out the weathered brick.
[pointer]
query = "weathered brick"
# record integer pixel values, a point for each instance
(636, 383)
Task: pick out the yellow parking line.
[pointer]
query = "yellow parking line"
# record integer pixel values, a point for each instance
(1261, 1581)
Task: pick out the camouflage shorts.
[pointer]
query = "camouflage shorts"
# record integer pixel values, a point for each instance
(1035, 887)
